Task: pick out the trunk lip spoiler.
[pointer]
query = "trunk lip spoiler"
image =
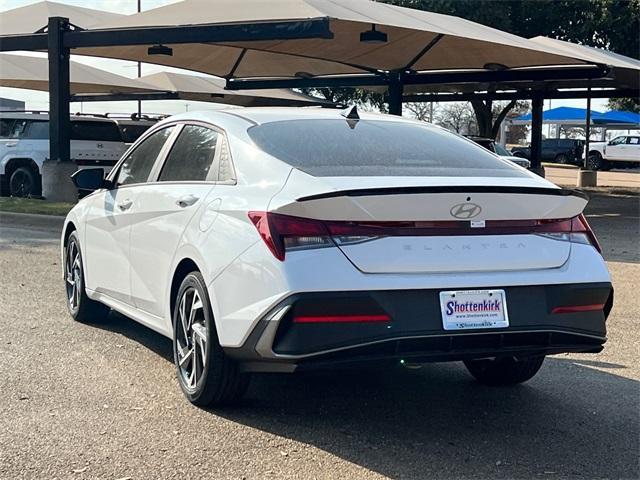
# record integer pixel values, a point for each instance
(365, 192)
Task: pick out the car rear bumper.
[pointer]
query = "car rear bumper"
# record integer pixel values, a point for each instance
(415, 332)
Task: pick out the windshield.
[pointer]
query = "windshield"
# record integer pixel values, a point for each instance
(336, 147)
(500, 150)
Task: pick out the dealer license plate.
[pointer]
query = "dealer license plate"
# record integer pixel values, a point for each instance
(472, 309)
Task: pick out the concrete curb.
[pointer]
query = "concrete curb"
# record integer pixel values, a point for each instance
(52, 223)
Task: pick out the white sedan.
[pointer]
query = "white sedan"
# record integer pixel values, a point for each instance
(281, 240)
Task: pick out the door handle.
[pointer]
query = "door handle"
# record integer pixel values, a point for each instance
(187, 201)
(125, 205)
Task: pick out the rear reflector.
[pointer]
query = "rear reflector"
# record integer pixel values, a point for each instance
(341, 319)
(284, 232)
(578, 308)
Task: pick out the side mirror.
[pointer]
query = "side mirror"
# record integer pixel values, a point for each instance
(90, 179)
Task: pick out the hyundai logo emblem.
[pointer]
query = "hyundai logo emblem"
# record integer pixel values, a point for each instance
(465, 211)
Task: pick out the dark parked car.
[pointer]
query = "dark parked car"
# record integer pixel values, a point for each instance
(556, 150)
(498, 149)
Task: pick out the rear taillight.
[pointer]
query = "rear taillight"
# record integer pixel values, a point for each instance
(282, 233)
(575, 230)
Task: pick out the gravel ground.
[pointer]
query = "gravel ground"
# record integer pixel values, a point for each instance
(102, 402)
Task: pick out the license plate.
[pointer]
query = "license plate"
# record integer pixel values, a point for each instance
(472, 309)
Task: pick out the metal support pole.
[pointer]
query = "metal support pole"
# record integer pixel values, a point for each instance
(537, 105)
(139, 68)
(56, 184)
(587, 177)
(587, 131)
(396, 88)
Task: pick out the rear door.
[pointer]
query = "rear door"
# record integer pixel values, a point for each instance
(616, 150)
(632, 149)
(549, 149)
(109, 220)
(96, 143)
(164, 208)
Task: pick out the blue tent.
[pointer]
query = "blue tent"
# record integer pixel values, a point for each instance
(623, 117)
(571, 115)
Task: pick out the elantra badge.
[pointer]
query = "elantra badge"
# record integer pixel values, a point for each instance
(465, 211)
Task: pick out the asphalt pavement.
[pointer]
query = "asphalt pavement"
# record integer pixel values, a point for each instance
(101, 401)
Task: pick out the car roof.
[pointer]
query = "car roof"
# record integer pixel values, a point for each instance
(260, 115)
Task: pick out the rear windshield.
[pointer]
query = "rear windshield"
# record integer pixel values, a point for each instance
(335, 148)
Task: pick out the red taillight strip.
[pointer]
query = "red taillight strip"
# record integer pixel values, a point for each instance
(578, 308)
(341, 318)
(274, 227)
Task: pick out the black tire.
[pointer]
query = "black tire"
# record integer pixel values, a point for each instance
(595, 161)
(504, 370)
(562, 159)
(23, 182)
(217, 379)
(80, 306)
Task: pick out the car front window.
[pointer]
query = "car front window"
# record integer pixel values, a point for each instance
(137, 166)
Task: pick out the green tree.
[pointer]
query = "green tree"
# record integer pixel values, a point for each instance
(624, 104)
(610, 24)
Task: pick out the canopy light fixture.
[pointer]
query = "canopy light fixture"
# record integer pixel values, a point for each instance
(160, 50)
(303, 75)
(496, 67)
(373, 35)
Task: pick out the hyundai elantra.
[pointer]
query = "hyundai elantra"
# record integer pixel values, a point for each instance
(285, 240)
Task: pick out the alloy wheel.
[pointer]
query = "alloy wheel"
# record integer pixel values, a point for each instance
(21, 184)
(191, 338)
(73, 275)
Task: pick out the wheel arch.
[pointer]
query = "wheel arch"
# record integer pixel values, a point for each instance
(184, 268)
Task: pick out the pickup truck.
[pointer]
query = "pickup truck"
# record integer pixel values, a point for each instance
(621, 152)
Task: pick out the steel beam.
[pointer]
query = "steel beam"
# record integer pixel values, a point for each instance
(59, 91)
(519, 95)
(537, 105)
(12, 43)
(587, 132)
(122, 97)
(396, 87)
(239, 32)
(424, 78)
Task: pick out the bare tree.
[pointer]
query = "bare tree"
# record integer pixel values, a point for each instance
(423, 111)
(456, 116)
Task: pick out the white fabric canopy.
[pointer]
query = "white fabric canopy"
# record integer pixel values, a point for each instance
(210, 89)
(31, 18)
(463, 45)
(21, 71)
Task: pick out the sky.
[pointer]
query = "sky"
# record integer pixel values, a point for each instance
(39, 100)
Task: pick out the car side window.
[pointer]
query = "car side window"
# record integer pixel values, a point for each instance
(103, 131)
(192, 156)
(633, 140)
(618, 140)
(137, 166)
(6, 127)
(37, 130)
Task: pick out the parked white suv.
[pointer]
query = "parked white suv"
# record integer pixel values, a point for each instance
(621, 152)
(24, 146)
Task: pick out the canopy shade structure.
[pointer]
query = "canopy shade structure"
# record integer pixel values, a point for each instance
(210, 89)
(578, 116)
(366, 37)
(32, 18)
(29, 72)
(623, 78)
